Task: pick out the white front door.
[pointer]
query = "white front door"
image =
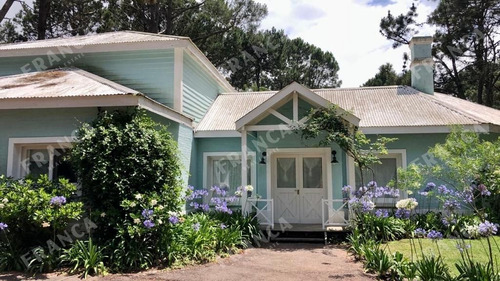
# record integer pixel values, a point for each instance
(299, 183)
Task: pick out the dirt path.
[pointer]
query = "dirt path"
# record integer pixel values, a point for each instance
(276, 262)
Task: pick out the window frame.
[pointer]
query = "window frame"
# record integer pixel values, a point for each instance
(401, 162)
(18, 150)
(229, 156)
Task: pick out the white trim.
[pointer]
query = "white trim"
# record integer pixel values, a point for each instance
(230, 156)
(295, 107)
(260, 128)
(16, 146)
(271, 153)
(280, 116)
(480, 128)
(391, 153)
(244, 155)
(98, 101)
(484, 128)
(164, 111)
(217, 134)
(304, 93)
(178, 78)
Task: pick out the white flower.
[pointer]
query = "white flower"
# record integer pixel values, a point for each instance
(5, 200)
(407, 204)
(46, 224)
(138, 196)
(160, 221)
(160, 207)
(237, 193)
(249, 188)
(103, 215)
(137, 221)
(2, 205)
(154, 202)
(132, 204)
(472, 231)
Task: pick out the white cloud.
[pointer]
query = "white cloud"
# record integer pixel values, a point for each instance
(348, 28)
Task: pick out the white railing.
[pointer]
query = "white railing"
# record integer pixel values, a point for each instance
(331, 216)
(264, 210)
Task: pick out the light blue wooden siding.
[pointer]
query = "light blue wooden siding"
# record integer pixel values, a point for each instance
(149, 72)
(199, 89)
(33, 123)
(185, 140)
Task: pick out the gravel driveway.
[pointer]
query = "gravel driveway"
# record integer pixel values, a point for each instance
(274, 262)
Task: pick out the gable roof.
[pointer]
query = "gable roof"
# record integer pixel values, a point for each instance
(278, 97)
(72, 88)
(388, 109)
(113, 41)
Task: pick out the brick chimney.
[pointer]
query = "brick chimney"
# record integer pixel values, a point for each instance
(422, 64)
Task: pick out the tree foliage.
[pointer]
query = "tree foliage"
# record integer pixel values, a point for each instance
(466, 47)
(328, 126)
(250, 59)
(271, 60)
(387, 76)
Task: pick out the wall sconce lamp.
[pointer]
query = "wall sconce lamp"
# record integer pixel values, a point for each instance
(334, 157)
(263, 158)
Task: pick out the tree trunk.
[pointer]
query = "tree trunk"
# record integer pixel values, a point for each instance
(43, 14)
(169, 18)
(5, 9)
(154, 12)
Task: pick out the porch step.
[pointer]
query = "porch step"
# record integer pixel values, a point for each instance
(298, 239)
(297, 236)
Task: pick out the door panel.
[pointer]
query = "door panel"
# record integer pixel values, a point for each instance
(298, 185)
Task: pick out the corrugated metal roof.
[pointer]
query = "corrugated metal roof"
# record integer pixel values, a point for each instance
(93, 39)
(228, 108)
(59, 83)
(390, 106)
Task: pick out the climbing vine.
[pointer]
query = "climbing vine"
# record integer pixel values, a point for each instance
(328, 126)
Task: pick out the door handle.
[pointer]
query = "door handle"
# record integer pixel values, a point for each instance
(298, 191)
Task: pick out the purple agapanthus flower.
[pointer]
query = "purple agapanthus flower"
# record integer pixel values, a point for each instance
(346, 189)
(149, 224)
(451, 205)
(196, 226)
(58, 200)
(483, 190)
(420, 232)
(434, 235)
(429, 187)
(173, 219)
(372, 184)
(3, 226)
(467, 196)
(487, 228)
(382, 213)
(402, 214)
(442, 189)
(147, 213)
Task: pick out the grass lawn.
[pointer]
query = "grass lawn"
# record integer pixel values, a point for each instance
(448, 248)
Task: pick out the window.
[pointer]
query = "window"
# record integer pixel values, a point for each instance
(34, 157)
(383, 173)
(224, 170)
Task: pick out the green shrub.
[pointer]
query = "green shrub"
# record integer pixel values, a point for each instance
(85, 257)
(33, 220)
(432, 268)
(247, 224)
(378, 261)
(476, 271)
(380, 228)
(122, 157)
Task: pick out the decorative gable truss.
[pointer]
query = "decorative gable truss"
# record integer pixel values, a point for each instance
(294, 93)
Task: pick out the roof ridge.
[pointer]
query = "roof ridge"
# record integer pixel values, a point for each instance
(450, 107)
(360, 88)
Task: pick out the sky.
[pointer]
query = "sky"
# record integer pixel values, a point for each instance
(347, 28)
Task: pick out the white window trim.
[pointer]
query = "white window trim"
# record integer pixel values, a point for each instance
(401, 162)
(230, 156)
(18, 146)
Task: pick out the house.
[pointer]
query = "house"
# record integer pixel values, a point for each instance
(226, 138)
